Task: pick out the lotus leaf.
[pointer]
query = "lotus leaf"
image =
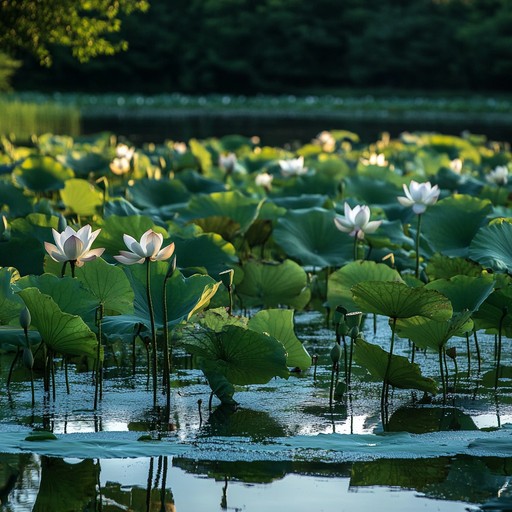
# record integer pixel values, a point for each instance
(340, 282)
(148, 193)
(402, 373)
(300, 202)
(18, 205)
(397, 300)
(444, 267)
(85, 162)
(63, 333)
(81, 197)
(42, 174)
(279, 324)
(492, 246)
(10, 303)
(271, 284)
(203, 156)
(198, 184)
(10, 337)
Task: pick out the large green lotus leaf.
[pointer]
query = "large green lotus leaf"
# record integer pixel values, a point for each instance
(68, 293)
(491, 311)
(203, 156)
(300, 202)
(426, 333)
(121, 207)
(279, 324)
(42, 174)
(63, 333)
(451, 224)
(311, 237)
(371, 191)
(63, 483)
(114, 227)
(271, 284)
(453, 146)
(81, 197)
(219, 384)
(402, 373)
(492, 246)
(242, 355)
(198, 184)
(86, 162)
(218, 318)
(13, 197)
(233, 205)
(108, 284)
(10, 303)
(397, 300)
(185, 296)
(208, 250)
(464, 292)
(148, 193)
(10, 337)
(445, 267)
(390, 235)
(340, 283)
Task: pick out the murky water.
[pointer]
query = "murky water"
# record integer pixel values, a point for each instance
(283, 449)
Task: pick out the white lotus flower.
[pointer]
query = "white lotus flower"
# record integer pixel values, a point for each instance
(264, 180)
(327, 141)
(293, 167)
(419, 196)
(120, 166)
(74, 246)
(123, 151)
(149, 248)
(356, 221)
(228, 162)
(498, 176)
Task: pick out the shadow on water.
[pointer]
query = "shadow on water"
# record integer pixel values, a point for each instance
(282, 129)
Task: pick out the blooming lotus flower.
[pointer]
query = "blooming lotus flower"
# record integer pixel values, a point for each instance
(123, 151)
(74, 246)
(264, 180)
(419, 196)
(149, 248)
(120, 166)
(356, 221)
(293, 167)
(327, 141)
(228, 162)
(499, 176)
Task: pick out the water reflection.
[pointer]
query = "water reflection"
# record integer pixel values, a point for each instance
(44, 484)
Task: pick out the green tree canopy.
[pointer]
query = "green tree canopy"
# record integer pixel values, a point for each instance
(85, 26)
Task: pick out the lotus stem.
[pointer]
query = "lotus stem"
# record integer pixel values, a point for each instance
(63, 271)
(417, 271)
(137, 332)
(356, 252)
(66, 376)
(98, 388)
(477, 346)
(199, 403)
(469, 352)
(498, 359)
(331, 389)
(14, 361)
(167, 352)
(315, 364)
(72, 264)
(153, 328)
(443, 382)
(385, 385)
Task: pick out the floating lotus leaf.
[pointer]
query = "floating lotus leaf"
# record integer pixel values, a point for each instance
(10, 303)
(63, 333)
(371, 191)
(148, 193)
(85, 162)
(18, 205)
(426, 333)
(42, 174)
(300, 202)
(402, 373)
(492, 310)
(185, 296)
(464, 292)
(279, 324)
(108, 284)
(202, 155)
(198, 184)
(444, 267)
(242, 355)
(218, 318)
(68, 293)
(11, 337)
(311, 237)
(81, 197)
(121, 207)
(232, 205)
(492, 246)
(390, 235)
(453, 146)
(451, 224)
(397, 300)
(270, 284)
(114, 227)
(340, 283)
(209, 250)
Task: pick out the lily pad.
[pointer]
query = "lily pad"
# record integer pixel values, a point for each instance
(279, 324)
(311, 237)
(148, 193)
(492, 246)
(10, 303)
(16, 201)
(42, 174)
(81, 197)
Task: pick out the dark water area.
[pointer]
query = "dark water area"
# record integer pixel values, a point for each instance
(282, 129)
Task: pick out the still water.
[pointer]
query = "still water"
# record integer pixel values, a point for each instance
(281, 129)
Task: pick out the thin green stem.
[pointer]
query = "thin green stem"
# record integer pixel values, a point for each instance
(418, 229)
(356, 252)
(385, 385)
(167, 358)
(153, 328)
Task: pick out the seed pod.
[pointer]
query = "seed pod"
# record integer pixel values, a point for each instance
(335, 353)
(354, 319)
(28, 358)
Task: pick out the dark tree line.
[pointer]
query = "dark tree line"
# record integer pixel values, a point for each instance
(274, 46)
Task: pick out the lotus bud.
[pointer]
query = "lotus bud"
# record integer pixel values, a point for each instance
(335, 353)
(28, 358)
(5, 230)
(172, 267)
(354, 332)
(451, 353)
(62, 223)
(227, 278)
(353, 319)
(25, 318)
(339, 314)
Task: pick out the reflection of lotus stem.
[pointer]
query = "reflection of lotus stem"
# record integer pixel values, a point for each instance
(385, 385)
(417, 272)
(153, 328)
(498, 358)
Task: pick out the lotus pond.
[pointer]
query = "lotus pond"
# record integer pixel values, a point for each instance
(220, 325)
